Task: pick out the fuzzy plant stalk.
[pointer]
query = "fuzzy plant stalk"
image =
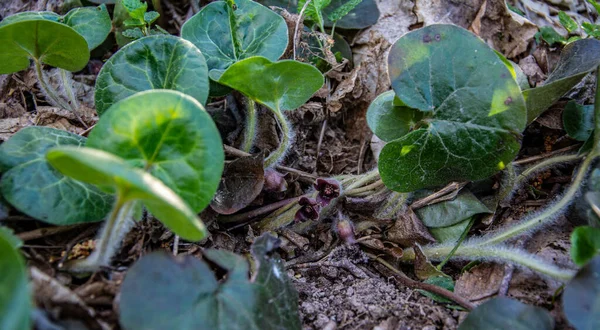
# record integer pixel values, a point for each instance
(118, 224)
(286, 140)
(491, 246)
(250, 129)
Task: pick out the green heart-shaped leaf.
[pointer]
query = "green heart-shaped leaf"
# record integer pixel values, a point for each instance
(192, 298)
(577, 59)
(15, 296)
(362, 16)
(171, 136)
(475, 112)
(113, 173)
(226, 36)
(93, 24)
(390, 122)
(578, 120)
(448, 213)
(283, 85)
(38, 190)
(154, 62)
(506, 313)
(581, 298)
(43, 40)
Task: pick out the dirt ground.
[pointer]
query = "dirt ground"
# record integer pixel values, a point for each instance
(344, 290)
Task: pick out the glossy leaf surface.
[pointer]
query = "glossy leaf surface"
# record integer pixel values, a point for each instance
(576, 61)
(506, 313)
(581, 298)
(578, 120)
(92, 23)
(170, 135)
(192, 298)
(474, 111)
(15, 299)
(390, 122)
(154, 62)
(49, 42)
(283, 85)
(226, 36)
(35, 188)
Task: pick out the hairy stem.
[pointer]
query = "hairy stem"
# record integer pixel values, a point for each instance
(250, 129)
(50, 92)
(364, 179)
(548, 163)
(596, 148)
(276, 155)
(73, 103)
(118, 224)
(474, 251)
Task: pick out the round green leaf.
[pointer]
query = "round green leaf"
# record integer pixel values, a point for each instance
(15, 296)
(93, 24)
(226, 36)
(581, 298)
(154, 62)
(585, 244)
(49, 42)
(283, 85)
(38, 190)
(390, 122)
(171, 136)
(578, 120)
(110, 172)
(506, 313)
(475, 112)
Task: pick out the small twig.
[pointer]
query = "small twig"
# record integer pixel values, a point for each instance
(546, 155)
(406, 281)
(447, 193)
(300, 18)
(176, 245)
(320, 142)
(45, 232)
(344, 264)
(87, 130)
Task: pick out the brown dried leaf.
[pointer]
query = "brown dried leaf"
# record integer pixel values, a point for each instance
(423, 267)
(480, 282)
(408, 230)
(345, 87)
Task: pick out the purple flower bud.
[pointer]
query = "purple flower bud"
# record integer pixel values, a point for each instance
(274, 181)
(328, 189)
(345, 230)
(309, 210)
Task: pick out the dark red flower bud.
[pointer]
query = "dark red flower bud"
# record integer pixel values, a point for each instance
(328, 189)
(274, 181)
(309, 210)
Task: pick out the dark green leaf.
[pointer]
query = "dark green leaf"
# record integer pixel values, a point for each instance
(576, 61)
(550, 36)
(170, 135)
(32, 186)
(135, 8)
(581, 298)
(578, 120)
(449, 234)
(92, 23)
(505, 313)
(134, 34)
(15, 299)
(191, 298)
(445, 282)
(362, 16)
(278, 86)
(585, 244)
(31, 15)
(154, 62)
(227, 36)
(113, 173)
(451, 212)
(49, 42)
(475, 111)
(391, 122)
(343, 10)
(567, 22)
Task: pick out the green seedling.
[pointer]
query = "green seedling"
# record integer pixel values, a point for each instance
(35, 188)
(154, 62)
(60, 41)
(138, 22)
(15, 300)
(266, 301)
(149, 148)
(278, 89)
